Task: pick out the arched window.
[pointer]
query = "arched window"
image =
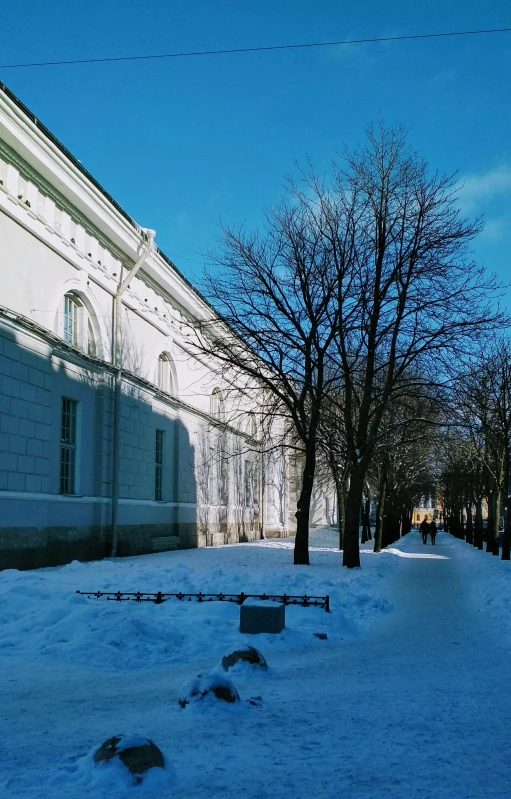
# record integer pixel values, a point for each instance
(251, 426)
(217, 405)
(74, 324)
(164, 375)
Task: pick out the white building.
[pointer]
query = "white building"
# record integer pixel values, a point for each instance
(81, 472)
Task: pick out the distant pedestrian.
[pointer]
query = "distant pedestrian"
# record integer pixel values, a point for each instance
(424, 528)
(432, 531)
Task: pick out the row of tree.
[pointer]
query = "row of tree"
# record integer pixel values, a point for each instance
(477, 452)
(349, 308)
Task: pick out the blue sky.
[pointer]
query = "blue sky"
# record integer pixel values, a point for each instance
(181, 143)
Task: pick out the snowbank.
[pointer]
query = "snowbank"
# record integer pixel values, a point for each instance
(42, 616)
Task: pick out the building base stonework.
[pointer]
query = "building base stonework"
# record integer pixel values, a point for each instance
(33, 548)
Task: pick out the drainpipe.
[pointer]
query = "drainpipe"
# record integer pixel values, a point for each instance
(117, 363)
(263, 494)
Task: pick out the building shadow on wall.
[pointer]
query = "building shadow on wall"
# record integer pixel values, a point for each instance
(46, 521)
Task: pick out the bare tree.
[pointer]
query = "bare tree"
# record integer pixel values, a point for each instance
(484, 404)
(408, 295)
(275, 293)
(360, 286)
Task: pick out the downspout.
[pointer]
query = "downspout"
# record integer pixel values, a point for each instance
(263, 495)
(117, 363)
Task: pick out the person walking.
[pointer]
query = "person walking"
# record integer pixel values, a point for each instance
(432, 531)
(424, 528)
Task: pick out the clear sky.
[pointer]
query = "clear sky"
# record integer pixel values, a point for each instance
(181, 143)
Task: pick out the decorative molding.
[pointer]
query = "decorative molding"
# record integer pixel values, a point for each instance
(29, 173)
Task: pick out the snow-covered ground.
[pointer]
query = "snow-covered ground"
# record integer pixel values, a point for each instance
(407, 696)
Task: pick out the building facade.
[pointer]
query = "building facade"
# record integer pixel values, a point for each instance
(113, 436)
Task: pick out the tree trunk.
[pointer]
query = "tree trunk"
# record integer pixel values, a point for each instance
(301, 553)
(478, 529)
(351, 553)
(366, 527)
(470, 527)
(391, 523)
(492, 528)
(506, 505)
(341, 511)
(506, 541)
(367, 516)
(496, 524)
(378, 531)
(407, 521)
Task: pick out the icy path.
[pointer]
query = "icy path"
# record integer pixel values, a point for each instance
(423, 702)
(417, 706)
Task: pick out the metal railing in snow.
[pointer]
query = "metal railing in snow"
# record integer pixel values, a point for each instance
(158, 597)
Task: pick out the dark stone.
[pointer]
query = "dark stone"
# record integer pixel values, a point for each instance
(248, 655)
(268, 617)
(322, 636)
(138, 758)
(201, 687)
(256, 700)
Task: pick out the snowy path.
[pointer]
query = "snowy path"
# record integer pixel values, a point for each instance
(425, 704)
(416, 706)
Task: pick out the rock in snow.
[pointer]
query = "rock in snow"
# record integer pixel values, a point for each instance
(248, 655)
(210, 686)
(137, 753)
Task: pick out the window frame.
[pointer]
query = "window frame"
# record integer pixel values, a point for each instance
(158, 464)
(68, 446)
(77, 327)
(71, 320)
(164, 379)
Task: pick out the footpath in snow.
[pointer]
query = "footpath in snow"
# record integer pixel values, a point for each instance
(407, 697)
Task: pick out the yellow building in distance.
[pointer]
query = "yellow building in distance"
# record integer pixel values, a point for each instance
(429, 509)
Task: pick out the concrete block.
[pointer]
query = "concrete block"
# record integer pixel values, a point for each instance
(25, 464)
(5, 403)
(27, 392)
(10, 387)
(20, 408)
(35, 412)
(11, 350)
(165, 543)
(42, 396)
(6, 365)
(19, 371)
(8, 461)
(9, 424)
(37, 377)
(34, 447)
(16, 482)
(17, 445)
(42, 432)
(26, 428)
(38, 358)
(41, 466)
(33, 482)
(257, 616)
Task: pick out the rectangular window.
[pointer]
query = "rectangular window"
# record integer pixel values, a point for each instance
(249, 484)
(70, 321)
(158, 466)
(68, 446)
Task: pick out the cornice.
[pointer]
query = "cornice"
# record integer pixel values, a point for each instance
(28, 172)
(48, 164)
